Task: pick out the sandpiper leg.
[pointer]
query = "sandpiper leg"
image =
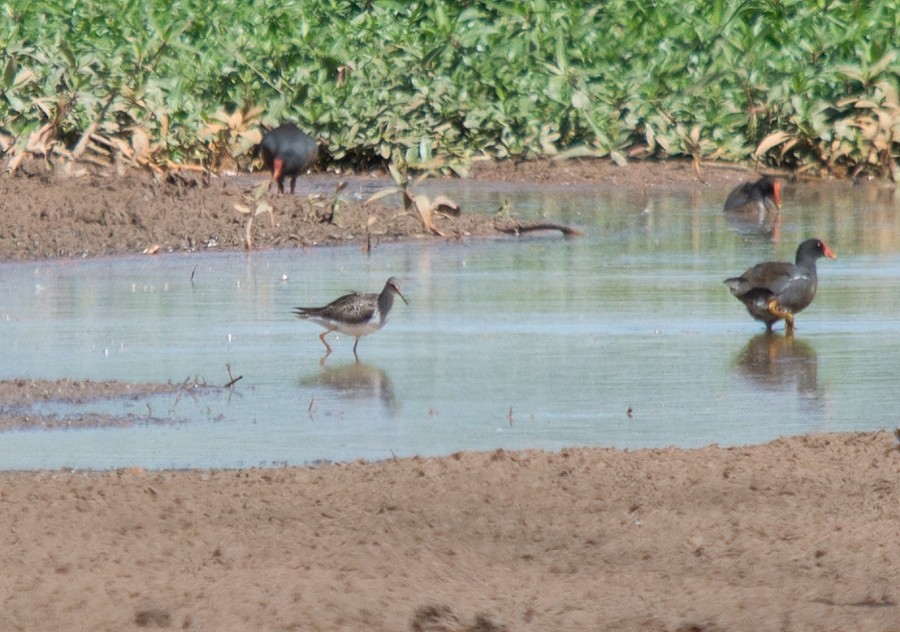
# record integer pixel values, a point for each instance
(354, 350)
(324, 342)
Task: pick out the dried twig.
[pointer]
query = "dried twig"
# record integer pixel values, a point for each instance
(232, 379)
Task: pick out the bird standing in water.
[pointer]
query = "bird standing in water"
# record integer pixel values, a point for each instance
(756, 206)
(287, 151)
(762, 197)
(777, 289)
(354, 314)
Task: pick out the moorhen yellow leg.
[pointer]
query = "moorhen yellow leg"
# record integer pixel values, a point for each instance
(788, 317)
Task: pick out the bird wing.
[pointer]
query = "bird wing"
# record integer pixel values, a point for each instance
(352, 309)
(740, 197)
(773, 276)
(301, 155)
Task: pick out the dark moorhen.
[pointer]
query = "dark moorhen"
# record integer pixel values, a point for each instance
(761, 197)
(287, 151)
(754, 208)
(778, 289)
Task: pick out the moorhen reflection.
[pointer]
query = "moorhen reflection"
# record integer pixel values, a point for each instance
(355, 381)
(754, 208)
(777, 362)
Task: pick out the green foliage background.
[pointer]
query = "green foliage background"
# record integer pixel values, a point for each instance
(436, 83)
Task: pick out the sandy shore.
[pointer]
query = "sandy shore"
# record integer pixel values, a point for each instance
(799, 534)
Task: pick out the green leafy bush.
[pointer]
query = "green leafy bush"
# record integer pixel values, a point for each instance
(435, 84)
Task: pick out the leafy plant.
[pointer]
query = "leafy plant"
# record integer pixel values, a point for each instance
(435, 85)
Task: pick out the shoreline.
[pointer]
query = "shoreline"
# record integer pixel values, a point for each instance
(48, 216)
(795, 533)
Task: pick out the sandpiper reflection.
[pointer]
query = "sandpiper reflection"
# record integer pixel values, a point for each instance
(355, 381)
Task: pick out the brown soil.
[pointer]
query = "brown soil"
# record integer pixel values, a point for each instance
(44, 215)
(17, 398)
(798, 534)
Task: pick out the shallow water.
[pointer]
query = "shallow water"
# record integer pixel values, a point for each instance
(536, 342)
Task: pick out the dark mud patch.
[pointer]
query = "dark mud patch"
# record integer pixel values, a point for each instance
(45, 215)
(20, 399)
(93, 216)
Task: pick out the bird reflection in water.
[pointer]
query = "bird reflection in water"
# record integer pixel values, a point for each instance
(755, 227)
(354, 382)
(777, 362)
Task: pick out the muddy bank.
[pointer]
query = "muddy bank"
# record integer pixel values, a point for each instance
(45, 215)
(20, 397)
(797, 534)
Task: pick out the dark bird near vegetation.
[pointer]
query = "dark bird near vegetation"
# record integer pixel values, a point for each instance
(287, 151)
(762, 197)
(755, 208)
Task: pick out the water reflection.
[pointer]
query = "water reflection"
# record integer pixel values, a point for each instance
(779, 362)
(753, 224)
(356, 381)
(570, 332)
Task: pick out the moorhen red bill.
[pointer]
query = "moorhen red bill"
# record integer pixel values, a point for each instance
(761, 197)
(778, 289)
(287, 151)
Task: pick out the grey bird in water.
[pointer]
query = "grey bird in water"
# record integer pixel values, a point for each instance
(354, 314)
(778, 289)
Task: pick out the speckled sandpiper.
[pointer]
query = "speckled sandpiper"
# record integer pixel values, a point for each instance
(354, 314)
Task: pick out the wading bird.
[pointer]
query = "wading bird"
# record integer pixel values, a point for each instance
(354, 314)
(777, 289)
(287, 151)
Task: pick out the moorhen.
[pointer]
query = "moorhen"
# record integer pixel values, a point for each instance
(761, 197)
(354, 314)
(778, 289)
(287, 151)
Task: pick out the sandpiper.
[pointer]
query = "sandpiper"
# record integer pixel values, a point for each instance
(354, 314)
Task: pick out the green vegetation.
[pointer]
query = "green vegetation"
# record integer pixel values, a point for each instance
(810, 85)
